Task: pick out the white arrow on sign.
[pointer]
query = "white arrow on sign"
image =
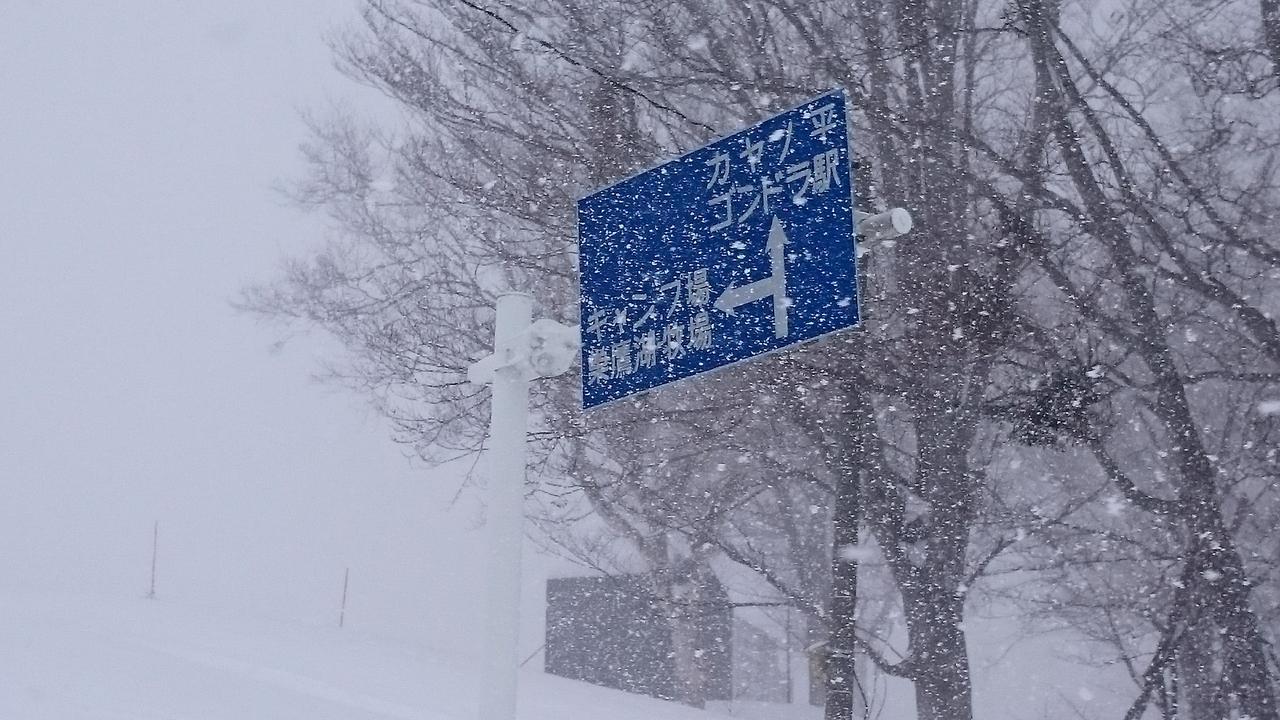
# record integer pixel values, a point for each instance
(775, 284)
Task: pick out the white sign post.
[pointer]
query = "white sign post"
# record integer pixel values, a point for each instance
(654, 302)
(522, 351)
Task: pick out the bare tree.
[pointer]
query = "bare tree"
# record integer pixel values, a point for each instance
(1069, 221)
(1142, 264)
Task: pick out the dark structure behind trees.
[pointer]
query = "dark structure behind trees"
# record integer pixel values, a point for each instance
(612, 631)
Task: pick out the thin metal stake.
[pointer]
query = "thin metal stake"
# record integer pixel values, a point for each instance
(155, 546)
(342, 613)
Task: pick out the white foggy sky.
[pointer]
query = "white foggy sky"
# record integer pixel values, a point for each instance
(139, 145)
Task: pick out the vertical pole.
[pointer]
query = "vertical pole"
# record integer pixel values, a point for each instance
(342, 612)
(842, 645)
(505, 512)
(155, 546)
(787, 647)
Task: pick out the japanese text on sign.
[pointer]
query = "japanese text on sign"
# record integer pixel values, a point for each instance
(739, 248)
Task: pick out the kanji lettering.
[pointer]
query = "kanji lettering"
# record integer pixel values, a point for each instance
(826, 171)
(621, 359)
(599, 366)
(824, 121)
(648, 351)
(673, 341)
(700, 331)
(698, 288)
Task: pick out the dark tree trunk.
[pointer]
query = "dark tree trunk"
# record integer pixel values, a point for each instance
(934, 601)
(938, 644)
(841, 675)
(1226, 591)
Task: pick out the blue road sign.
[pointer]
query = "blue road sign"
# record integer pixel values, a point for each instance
(739, 248)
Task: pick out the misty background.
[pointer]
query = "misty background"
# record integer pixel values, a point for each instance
(141, 145)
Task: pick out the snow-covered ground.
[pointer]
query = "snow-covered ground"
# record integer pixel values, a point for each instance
(79, 657)
(73, 658)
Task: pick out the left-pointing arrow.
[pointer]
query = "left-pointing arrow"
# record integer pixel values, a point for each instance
(775, 285)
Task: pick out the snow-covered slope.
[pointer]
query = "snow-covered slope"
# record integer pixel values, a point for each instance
(74, 659)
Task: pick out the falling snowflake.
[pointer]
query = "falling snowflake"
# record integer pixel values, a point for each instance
(856, 553)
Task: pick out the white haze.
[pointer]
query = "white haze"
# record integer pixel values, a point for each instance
(139, 144)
